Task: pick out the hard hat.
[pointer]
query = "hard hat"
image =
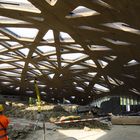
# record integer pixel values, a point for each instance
(1, 108)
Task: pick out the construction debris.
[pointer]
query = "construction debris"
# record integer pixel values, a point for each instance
(23, 120)
(20, 129)
(102, 123)
(50, 112)
(65, 118)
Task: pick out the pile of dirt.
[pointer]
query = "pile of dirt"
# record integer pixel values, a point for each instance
(90, 124)
(50, 112)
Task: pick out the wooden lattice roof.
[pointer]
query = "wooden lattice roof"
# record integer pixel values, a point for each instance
(80, 50)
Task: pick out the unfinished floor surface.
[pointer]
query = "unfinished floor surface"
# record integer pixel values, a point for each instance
(118, 132)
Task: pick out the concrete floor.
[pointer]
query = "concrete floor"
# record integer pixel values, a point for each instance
(118, 132)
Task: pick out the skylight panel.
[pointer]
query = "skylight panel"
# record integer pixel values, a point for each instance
(82, 11)
(4, 57)
(17, 88)
(7, 73)
(75, 47)
(15, 1)
(51, 2)
(42, 86)
(6, 66)
(2, 47)
(24, 51)
(43, 93)
(80, 89)
(119, 81)
(73, 97)
(18, 78)
(31, 65)
(29, 74)
(51, 75)
(37, 71)
(72, 56)
(7, 20)
(11, 86)
(135, 91)
(31, 81)
(101, 88)
(111, 81)
(129, 76)
(64, 64)
(5, 77)
(117, 42)
(122, 26)
(87, 83)
(91, 62)
(24, 32)
(2, 36)
(92, 74)
(65, 37)
(41, 67)
(45, 49)
(6, 83)
(103, 63)
(18, 70)
(34, 55)
(78, 67)
(49, 36)
(132, 62)
(90, 28)
(22, 5)
(74, 83)
(98, 48)
(53, 57)
(21, 63)
(12, 43)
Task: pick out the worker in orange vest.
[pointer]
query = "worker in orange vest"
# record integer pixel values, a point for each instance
(4, 121)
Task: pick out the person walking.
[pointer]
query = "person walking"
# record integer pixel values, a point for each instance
(4, 121)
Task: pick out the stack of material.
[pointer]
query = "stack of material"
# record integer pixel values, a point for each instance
(125, 120)
(91, 123)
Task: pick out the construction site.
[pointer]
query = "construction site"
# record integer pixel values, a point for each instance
(69, 70)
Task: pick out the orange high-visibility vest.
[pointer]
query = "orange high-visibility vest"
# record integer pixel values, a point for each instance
(4, 121)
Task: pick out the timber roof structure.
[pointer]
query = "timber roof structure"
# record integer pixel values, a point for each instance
(79, 50)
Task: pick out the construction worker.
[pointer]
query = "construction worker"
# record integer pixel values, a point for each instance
(4, 121)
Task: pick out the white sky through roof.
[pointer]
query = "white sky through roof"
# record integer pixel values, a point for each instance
(46, 49)
(82, 11)
(49, 35)
(101, 88)
(16, 1)
(72, 56)
(25, 51)
(2, 47)
(6, 66)
(22, 5)
(24, 32)
(12, 43)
